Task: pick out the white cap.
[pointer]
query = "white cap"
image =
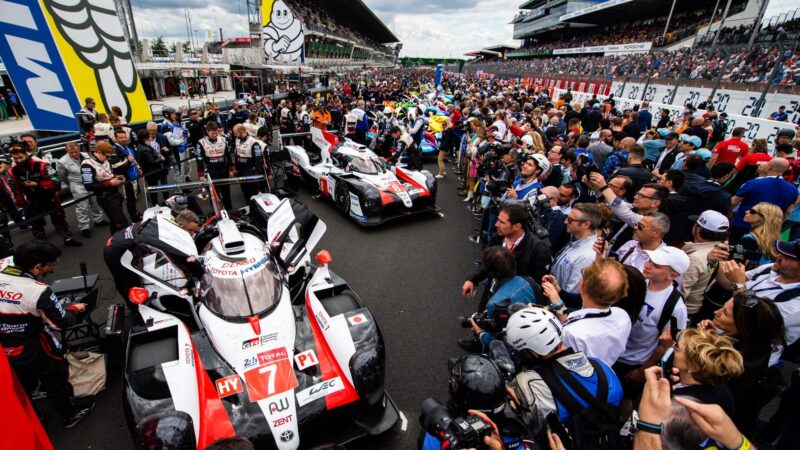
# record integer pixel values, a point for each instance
(713, 221)
(670, 256)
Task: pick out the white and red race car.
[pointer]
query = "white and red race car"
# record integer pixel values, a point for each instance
(239, 334)
(359, 182)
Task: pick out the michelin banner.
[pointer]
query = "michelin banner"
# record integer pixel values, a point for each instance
(58, 52)
(282, 33)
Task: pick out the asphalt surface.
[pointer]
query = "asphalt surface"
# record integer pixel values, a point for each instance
(408, 272)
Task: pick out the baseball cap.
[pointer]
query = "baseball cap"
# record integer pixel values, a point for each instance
(670, 256)
(704, 153)
(712, 221)
(789, 249)
(694, 140)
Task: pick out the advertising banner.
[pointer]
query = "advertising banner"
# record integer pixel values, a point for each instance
(59, 52)
(282, 33)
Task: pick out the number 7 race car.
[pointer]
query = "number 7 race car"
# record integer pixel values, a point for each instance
(360, 183)
(238, 333)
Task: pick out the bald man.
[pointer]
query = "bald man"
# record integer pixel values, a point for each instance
(697, 130)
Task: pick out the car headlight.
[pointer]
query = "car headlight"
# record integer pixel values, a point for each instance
(372, 199)
(368, 366)
(173, 430)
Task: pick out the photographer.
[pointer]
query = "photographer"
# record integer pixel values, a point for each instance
(561, 381)
(526, 184)
(476, 388)
(532, 253)
(26, 329)
(504, 285)
(779, 282)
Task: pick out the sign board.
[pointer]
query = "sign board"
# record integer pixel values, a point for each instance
(57, 53)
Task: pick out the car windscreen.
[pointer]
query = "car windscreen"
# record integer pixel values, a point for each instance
(366, 164)
(241, 293)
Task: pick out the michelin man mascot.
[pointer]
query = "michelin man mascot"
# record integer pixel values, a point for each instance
(283, 35)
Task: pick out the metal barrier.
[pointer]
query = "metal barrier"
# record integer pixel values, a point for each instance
(202, 184)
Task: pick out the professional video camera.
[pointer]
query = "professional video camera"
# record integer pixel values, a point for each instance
(496, 322)
(742, 255)
(496, 187)
(453, 432)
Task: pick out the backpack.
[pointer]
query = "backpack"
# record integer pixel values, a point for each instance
(595, 427)
(669, 307)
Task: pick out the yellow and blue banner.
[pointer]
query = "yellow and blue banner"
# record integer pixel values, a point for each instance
(58, 52)
(282, 32)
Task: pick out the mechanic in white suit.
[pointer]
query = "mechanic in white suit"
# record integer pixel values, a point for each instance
(283, 35)
(69, 169)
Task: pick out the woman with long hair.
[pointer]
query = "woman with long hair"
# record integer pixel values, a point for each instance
(757, 329)
(765, 220)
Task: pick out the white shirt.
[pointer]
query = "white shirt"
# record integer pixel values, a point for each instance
(644, 333)
(765, 286)
(570, 262)
(637, 256)
(603, 338)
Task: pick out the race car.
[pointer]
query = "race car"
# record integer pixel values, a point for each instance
(360, 184)
(239, 334)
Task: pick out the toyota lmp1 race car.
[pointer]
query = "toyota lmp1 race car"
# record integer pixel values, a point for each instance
(238, 333)
(359, 182)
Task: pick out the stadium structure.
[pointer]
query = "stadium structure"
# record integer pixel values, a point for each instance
(338, 35)
(669, 52)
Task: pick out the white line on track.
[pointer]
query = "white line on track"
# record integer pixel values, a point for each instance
(403, 422)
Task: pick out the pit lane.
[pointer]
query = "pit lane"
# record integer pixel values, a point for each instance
(408, 272)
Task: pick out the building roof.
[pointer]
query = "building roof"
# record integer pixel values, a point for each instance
(500, 48)
(530, 4)
(614, 11)
(356, 12)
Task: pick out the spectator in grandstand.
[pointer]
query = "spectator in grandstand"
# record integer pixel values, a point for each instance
(729, 151)
(780, 115)
(770, 188)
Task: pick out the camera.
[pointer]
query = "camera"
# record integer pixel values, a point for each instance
(740, 254)
(481, 319)
(496, 187)
(497, 322)
(453, 432)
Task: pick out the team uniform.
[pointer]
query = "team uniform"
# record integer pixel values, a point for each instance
(97, 178)
(87, 211)
(249, 158)
(214, 159)
(45, 197)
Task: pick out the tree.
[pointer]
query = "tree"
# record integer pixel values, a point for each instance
(173, 48)
(158, 48)
(185, 46)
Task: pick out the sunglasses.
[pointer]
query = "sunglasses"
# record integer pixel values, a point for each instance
(754, 212)
(749, 299)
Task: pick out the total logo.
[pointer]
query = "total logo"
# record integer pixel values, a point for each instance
(272, 355)
(282, 421)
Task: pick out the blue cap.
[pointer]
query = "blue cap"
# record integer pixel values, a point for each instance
(694, 140)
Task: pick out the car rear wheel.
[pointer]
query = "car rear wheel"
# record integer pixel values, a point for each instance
(342, 197)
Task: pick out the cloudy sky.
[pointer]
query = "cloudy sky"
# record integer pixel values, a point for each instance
(424, 27)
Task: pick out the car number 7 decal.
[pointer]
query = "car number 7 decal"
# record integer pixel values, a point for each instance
(271, 378)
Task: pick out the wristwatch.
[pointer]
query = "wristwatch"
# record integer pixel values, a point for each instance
(639, 425)
(736, 286)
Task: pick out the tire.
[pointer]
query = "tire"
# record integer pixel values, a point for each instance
(342, 196)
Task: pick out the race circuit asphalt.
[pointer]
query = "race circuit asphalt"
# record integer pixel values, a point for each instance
(408, 272)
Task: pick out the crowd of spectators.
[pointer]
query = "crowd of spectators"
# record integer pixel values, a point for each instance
(673, 245)
(316, 18)
(753, 66)
(741, 34)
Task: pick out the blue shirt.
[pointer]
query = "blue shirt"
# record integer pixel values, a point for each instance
(773, 189)
(524, 189)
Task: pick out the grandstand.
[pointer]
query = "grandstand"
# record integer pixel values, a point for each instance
(692, 53)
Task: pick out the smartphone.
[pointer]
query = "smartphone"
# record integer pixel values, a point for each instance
(673, 328)
(557, 427)
(666, 363)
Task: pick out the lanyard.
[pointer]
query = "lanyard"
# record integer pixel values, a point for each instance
(588, 316)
